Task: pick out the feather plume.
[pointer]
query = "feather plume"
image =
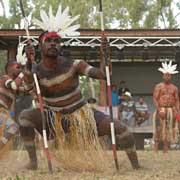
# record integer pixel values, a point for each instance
(61, 23)
(20, 57)
(45, 19)
(168, 68)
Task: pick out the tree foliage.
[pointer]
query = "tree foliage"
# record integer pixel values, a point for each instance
(3, 60)
(118, 14)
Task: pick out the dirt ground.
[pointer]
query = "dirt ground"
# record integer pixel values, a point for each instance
(154, 166)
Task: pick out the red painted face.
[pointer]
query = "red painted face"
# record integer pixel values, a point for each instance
(51, 45)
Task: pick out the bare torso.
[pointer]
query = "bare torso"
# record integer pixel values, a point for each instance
(165, 94)
(60, 85)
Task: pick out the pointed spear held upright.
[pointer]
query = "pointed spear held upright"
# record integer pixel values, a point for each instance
(104, 49)
(47, 154)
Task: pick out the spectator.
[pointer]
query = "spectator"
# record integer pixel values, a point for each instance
(114, 95)
(127, 108)
(123, 88)
(141, 111)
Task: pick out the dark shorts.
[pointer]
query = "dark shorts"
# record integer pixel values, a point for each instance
(99, 116)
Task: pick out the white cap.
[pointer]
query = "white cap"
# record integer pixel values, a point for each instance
(127, 94)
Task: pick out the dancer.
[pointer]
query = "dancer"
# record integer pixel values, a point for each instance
(68, 116)
(9, 86)
(166, 101)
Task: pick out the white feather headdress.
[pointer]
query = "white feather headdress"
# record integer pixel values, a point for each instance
(168, 68)
(20, 57)
(60, 23)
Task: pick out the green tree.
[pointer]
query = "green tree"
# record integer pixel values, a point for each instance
(3, 60)
(15, 12)
(87, 87)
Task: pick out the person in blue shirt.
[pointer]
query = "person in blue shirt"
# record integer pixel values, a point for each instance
(114, 95)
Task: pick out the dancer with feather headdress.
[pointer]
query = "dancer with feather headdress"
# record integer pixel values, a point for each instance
(10, 85)
(166, 101)
(68, 116)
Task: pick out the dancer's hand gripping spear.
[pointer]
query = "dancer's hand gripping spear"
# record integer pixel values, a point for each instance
(40, 100)
(104, 50)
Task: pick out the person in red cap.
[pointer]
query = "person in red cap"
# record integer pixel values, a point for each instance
(166, 101)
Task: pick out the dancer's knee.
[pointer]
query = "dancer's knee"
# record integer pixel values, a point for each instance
(24, 120)
(125, 140)
(27, 133)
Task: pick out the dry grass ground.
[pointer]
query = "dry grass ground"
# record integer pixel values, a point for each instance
(155, 166)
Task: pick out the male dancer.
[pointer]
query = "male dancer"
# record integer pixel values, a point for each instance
(9, 86)
(59, 82)
(166, 101)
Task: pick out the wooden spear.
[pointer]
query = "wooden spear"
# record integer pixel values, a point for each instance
(108, 79)
(40, 100)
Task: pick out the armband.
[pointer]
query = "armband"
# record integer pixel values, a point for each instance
(35, 104)
(8, 83)
(21, 75)
(13, 85)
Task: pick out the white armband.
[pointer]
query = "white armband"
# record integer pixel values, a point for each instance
(8, 82)
(35, 104)
(21, 75)
(13, 85)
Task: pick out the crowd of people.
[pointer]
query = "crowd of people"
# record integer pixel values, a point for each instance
(132, 113)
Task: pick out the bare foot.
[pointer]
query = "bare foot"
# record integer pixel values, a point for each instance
(31, 166)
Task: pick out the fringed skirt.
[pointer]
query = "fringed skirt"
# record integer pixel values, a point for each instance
(165, 129)
(77, 143)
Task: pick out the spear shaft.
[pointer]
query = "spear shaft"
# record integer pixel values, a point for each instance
(108, 79)
(40, 100)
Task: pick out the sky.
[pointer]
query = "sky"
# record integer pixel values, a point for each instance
(175, 10)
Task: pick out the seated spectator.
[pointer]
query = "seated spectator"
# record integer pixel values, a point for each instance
(141, 111)
(114, 95)
(123, 88)
(127, 108)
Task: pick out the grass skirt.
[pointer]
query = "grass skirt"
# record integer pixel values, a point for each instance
(5, 119)
(79, 149)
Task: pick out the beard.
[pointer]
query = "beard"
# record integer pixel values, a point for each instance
(15, 74)
(52, 52)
